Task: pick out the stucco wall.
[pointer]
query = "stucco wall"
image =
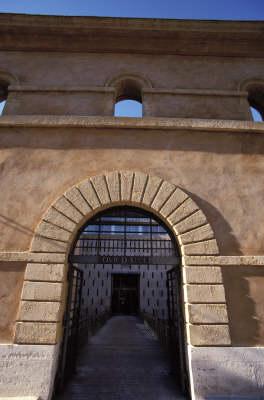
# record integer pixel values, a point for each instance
(60, 83)
(11, 281)
(221, 171)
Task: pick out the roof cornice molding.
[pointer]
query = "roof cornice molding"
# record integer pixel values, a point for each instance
(24, 32)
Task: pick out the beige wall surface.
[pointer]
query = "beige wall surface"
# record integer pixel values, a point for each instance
(78, 83)
(223, 172)
(245, 299)
(163, 71)
(11, 280)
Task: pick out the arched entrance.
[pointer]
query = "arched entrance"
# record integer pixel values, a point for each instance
(42, 307)
(124, 262)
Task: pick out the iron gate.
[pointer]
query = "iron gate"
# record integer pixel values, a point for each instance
(176, 333)
(69, 351)
(127, 236)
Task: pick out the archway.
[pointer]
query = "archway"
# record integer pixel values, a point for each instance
(43, 297)
(124, 262)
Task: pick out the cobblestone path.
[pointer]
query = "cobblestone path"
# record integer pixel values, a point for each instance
(123, 361)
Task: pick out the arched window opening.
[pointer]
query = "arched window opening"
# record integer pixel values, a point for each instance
(128, 108)
(256, 101)
(3, 95)
(256, 116)
(128, 101)
(2, 106)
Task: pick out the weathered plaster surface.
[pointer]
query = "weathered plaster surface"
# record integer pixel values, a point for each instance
(223, 172)
(11, 282)
(27, 370)
(227, 373)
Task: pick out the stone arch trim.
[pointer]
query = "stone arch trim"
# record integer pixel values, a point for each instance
(244, 85)
(43, 295)
(142, 80)
(8, 77)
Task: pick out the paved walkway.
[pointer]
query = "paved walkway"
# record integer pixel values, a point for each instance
(123, 361)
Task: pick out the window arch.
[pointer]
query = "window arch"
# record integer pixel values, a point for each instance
(128, 95)
(255, 91)
(128, 98)
(3, 95)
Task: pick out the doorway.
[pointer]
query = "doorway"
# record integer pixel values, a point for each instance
(125, 294)
(125, 255)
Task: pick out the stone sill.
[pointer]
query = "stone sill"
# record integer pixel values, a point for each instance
(146, 123)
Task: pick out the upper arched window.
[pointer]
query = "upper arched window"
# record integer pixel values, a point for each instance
(128, 100)
(129, 89)
(3, 95)
(256, 100)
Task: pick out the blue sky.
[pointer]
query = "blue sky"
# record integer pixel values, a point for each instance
(184, 9)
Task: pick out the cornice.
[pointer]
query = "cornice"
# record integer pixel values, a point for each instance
(19, 32)
(146, 123)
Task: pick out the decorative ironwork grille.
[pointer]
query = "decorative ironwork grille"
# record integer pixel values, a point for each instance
(125, 235)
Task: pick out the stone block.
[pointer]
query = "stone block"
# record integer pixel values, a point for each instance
(152, 187)
(40, 311)
(36, 332)
(113, 183)
(140, 181)
(209, 335)
(199, 248)
(45, 291)
(205, 293)
(202, 274)
(45, 245)
(48, 230)
(193, 221)
(50, 258)
(183, 211)
(89, 194)
(227, 373)
(55, 217)
(45, 272)
(177, 198)
(163, 195)
(99, 184)
(66, 208)
(207, 314)
(126, 180)
(204, 232)
(27, 371)
(76, 198)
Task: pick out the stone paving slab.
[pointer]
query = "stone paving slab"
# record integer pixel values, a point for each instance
(123, 361)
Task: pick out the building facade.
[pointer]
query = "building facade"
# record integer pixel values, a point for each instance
(194, 161)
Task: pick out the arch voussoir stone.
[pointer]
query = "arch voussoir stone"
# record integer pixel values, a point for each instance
(152, 188)
(57, 230)
(126, 185)
(113, 184)
(78, 201)
(139, 185)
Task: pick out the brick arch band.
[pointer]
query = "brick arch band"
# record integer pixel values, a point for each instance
(45, 285)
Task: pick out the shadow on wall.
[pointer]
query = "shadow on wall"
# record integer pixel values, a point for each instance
(11, 282)
(226, 240)
(228, 373)
(245, 299)
(5, 221)
(74, 138)
(243, 285)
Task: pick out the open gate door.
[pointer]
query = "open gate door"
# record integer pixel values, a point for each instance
(176, 330)
(68, 354)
